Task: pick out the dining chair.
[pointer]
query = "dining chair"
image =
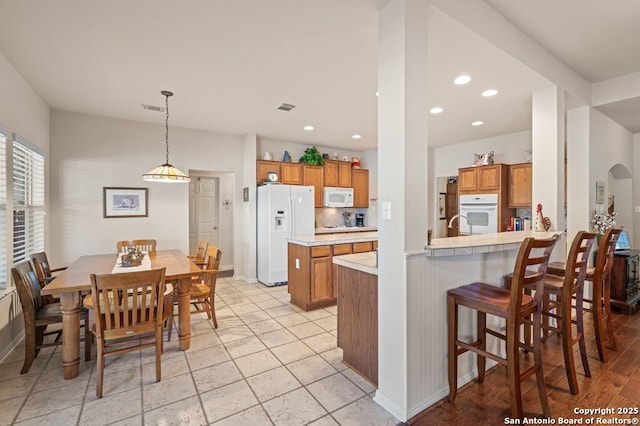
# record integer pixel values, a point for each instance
(565, 289)
(516, 308)
(43, 269)
(128, 315)
(200, 258)
(142, 245)
(600, 276)
(38, 314)
(203, 290)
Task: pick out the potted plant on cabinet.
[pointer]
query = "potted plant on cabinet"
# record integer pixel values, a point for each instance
(312, 157)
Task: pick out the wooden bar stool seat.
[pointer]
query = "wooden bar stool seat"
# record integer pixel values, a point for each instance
(517, 308)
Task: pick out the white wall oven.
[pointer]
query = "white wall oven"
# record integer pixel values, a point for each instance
(482, 211)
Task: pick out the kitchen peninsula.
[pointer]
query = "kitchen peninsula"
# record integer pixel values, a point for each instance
(445, 264)
(310, 268)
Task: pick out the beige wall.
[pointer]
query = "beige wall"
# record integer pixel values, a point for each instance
(23, 112)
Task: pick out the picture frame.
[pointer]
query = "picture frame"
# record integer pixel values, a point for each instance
(599, 192)
(442, 205)
(120, 202)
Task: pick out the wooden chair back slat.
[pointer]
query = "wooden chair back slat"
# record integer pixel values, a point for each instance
(148, 245)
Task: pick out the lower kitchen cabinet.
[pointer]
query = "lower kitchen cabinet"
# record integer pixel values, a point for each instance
(310, 270)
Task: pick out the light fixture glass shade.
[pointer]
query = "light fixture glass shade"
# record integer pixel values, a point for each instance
(165, 173)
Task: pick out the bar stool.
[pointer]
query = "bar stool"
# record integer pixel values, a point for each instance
(516, 308)
(565, 289)
(600, 276)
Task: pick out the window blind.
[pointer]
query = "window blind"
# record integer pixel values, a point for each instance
(3, 210)
(28, 202)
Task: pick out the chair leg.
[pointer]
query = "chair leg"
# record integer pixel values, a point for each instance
(29, 349)
(537, 356)
(567, 343)
(513, 368)
(452, 315)
(159, 347)
(598, 322)
(606, 293)
(99, 366)
(580, 329)
(87, 336)
(481, 330)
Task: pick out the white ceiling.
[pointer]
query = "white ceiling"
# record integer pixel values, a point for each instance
(232, 63)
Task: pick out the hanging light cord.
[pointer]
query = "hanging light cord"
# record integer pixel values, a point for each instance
(166, 123)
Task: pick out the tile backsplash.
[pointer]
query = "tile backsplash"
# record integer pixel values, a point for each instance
(328, 216)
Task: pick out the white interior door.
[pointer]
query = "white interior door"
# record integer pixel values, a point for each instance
(204, 220)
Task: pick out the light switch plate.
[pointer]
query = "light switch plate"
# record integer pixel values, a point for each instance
(386, 210)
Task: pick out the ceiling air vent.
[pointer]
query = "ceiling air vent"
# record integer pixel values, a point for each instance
(153, 108)
(286, 107)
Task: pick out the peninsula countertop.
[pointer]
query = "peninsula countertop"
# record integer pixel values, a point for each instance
(363, 262)
(482, 243)
(330, 239)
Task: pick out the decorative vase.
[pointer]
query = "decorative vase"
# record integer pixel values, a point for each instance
(287, 157)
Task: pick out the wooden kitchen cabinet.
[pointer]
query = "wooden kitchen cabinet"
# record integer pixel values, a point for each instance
(344, 174)
(321, 280)
(520, 184)
(482, 179)
(467, 179)
(314, 175)
(363, 247)
(263, 167)
(360, 181)
(291, 173)
(311, 272)
(337, 173)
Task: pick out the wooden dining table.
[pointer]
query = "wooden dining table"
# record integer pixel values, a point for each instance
(74, 281)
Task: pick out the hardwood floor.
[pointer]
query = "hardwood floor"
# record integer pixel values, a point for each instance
(614, 385)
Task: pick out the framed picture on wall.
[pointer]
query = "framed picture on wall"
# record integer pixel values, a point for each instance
(125, 202)
(442, 203)
(599, 192)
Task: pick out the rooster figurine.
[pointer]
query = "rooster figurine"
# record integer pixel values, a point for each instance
(542, 223)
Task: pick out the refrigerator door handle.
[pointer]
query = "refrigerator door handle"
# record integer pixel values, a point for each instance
(292, 223)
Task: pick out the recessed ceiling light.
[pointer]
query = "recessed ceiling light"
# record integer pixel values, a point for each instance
(477, 123)
(462, 79)
(308, 128)
(489, 92)
(356, 136)
(436, 110)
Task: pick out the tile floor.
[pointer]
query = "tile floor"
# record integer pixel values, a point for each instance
(267, 363)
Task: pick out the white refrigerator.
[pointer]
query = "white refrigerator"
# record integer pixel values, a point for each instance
(283, 211)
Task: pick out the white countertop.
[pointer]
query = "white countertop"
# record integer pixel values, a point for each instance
(326, 230)
(363, 262)
(482, 243)
(330, 239)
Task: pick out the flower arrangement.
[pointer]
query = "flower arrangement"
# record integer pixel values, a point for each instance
(602, 220)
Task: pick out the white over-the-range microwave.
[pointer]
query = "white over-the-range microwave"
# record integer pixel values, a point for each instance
(338, 197)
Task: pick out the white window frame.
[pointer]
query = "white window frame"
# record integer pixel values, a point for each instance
(29, 203)
(5, 140)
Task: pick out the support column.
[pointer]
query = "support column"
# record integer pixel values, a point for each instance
(402, 186)
(547, 135)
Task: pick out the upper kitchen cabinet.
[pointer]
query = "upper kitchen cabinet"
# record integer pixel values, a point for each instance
(520, 179)
(337, 173)
(314, 175)
(263, 167)
(291, 173)
(360, 181)
(482, 179)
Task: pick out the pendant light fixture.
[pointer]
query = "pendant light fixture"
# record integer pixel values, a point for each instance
(166, 172)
